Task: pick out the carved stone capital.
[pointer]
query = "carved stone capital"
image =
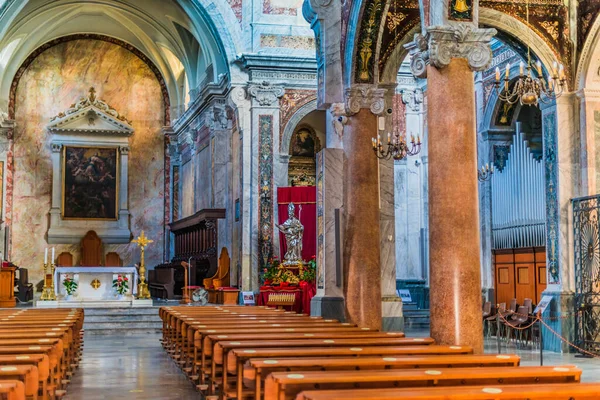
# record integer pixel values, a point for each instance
(265, 94)
(56, 147)
(365, 96)
(219, 117)
(460, 41)
(419, 55)
(124, 150)
(413, 99)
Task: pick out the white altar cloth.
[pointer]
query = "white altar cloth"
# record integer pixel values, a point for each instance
(84, 277)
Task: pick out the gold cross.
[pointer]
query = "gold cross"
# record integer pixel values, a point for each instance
(96, 284)
(142, 240)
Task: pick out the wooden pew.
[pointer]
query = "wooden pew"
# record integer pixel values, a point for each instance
(28, 374)
(286, 386)
(556, 391)
(12, 390)
(256, 370)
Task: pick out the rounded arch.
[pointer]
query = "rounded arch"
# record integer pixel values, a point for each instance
(520, 32)
(390, 70)
(290, 127)
(586, 59)
(55, 42)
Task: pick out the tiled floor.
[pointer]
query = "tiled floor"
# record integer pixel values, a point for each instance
(128, 367)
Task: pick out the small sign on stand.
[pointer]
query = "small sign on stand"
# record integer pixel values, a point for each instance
(539, 310)
(404, 294)
(248, 298)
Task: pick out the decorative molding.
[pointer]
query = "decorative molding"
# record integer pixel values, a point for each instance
(124, 150)
(413, 99)
(419, 55)
(291, 102)
(265, 188)
(549, 126)
(265, 94)
(365, 96)
(460, 41)
(56, 147)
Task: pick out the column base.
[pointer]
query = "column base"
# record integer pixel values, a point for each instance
(392, 318)
(328, 307)
(563, 303)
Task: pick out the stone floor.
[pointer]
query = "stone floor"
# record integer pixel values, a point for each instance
(128, 367)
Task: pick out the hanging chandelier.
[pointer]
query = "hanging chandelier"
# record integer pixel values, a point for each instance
(485, 173)
(531, 87)
(396, 148)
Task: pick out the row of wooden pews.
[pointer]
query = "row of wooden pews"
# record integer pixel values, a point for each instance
(255, 352)
(39, 351)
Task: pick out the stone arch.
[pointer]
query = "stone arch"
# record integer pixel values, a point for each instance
(586, 58)
(288, 130)
(390, 71)
(64, 39)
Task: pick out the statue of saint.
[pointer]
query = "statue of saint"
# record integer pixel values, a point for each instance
(293, 231)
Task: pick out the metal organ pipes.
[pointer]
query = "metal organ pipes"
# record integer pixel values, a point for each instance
(518, 200)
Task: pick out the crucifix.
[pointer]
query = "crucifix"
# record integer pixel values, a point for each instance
(142, 241)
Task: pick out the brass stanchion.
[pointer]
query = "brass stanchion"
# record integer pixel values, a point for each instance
(142, 241)
(186, 295)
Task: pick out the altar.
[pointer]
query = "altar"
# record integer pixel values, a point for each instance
(94, 288)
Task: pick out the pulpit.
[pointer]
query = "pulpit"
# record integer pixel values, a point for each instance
(7, 287)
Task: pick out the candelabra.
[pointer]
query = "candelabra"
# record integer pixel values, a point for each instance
(142, 241)
(485, 173)
(397, 147)
(529, 89)
(48, 290)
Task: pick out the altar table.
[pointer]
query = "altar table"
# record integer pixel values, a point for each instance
(84, 276)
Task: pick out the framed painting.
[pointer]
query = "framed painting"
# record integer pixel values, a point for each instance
(1, 189)
(90, 183)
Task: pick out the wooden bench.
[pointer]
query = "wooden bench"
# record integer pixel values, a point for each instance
(28, 374)
(556, 391)
(12, 390)
(40, 361)
(256, 370)
(286, 386)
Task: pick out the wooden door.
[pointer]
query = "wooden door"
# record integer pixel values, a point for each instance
(504, 276)
(540, 272)
(525, 282)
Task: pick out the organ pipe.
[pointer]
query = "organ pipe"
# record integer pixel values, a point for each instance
(518, 200)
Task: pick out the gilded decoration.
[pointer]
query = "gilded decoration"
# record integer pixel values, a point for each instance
(587, 12)
(549, 20)
(369, 29)
(500, 156)
(460, 10)
(290, 103)
(402, 17)
(265, 189)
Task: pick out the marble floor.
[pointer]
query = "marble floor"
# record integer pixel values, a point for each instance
(128, 367)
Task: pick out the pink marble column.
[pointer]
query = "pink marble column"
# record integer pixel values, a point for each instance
(455, 278)
(362, 274)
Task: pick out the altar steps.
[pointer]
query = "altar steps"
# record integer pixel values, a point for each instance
(122, 321)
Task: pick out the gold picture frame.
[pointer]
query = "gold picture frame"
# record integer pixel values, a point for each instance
(67, 214)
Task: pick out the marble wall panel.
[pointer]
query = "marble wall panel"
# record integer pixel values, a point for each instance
(54, 81)
(203, 182)
(186, 203)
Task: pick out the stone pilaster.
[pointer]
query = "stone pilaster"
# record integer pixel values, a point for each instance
(7, 127)
(264, 111)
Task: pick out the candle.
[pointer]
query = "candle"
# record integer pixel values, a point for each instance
(46, 256)
(507, 70)
(561, 71)
(53, 255)
(374, 142)
(538, 66)
(378, 140)
(554, 67)
(497, 74)
(521, 68)
(550, 83)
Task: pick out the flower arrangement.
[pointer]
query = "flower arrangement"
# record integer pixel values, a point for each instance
(273, 273)
(121, 284)
(70, 285)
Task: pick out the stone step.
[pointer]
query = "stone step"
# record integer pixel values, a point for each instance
(416, 319)
(123, 318)
(122, 311)
(98, 326)
(122, 321)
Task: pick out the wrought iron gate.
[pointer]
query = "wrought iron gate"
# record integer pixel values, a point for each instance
(586, 224)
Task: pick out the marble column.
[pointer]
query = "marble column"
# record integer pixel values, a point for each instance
(361, 236)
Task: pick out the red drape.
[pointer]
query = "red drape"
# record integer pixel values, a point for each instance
(304, 294)
(305, 197)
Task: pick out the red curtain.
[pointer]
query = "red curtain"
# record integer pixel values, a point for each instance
(305, 199)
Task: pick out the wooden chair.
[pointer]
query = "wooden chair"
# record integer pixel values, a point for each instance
(221, 277)
(113, 260)
(25, 288)
(91, 250)
(65, 259)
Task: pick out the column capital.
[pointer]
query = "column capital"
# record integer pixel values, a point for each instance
(265, 94)
(460, 41)
(413, 99)
(365, 96)
(56, 147)
(418, 50)
(6, 124)
(219, 117)
(124, 150)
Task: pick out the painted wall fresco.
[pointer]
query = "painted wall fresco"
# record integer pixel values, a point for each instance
(55, 79)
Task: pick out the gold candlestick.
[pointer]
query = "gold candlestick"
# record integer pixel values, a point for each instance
(143, 241)
(48, 290)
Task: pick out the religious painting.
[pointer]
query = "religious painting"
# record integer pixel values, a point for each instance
(461, 10)
(90, 183)
(1, 187)
(304, 143)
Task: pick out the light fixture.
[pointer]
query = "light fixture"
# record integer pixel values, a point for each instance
(485, 173)
(531, 87)
(397, 147)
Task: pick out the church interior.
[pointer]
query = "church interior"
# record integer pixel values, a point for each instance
(299, 199)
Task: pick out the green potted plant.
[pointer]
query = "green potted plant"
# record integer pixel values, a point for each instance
(70, 287)
(121, 285)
